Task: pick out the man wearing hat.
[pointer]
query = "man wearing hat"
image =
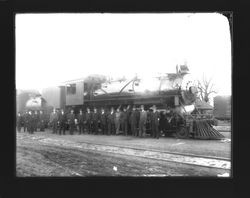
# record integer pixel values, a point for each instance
(42, 120)
(19, 121)
(111, 121)
(95, 120)
(71, 121)
(103, 120)
(36, 120)
(53, 120)
(154, 120)
(25, 121)
(28, 120)
(133, 119)
(81, 119)
(124, 120)
(32, 122)
(62, 119)
(142, 122)
(117, 120)
(88, 118)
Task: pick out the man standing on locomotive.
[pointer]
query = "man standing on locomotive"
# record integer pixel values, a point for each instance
(142, 122)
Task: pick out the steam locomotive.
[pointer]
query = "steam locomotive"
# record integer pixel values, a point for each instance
(174, 94)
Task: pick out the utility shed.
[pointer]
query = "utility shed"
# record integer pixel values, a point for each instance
(202, 105)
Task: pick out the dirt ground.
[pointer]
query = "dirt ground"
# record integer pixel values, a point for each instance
(215, 148)
(34, 158)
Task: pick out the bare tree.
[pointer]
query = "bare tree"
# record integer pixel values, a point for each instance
(205, 88)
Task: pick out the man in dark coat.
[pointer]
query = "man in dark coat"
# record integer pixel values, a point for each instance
(62, 119)
(117, 120)
(36, 121)
(42, 120)
(19, 121)
(103, 120)
(53, 120)
(124, 120)
(25, 121)
(111, 121)
(154, 120)
(88, 118)
(168, 121)
(133, 119)
(95, 121)
(32, 122)
(29, 122)
(162, 122)
(81, 119)
(142, 122)
(71, 121)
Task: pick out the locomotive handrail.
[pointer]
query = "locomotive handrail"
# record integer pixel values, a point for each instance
(126, 85)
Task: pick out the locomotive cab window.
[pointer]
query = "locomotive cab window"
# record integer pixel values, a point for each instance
(71, 89)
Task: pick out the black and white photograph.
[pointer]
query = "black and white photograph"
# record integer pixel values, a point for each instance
(123, 94)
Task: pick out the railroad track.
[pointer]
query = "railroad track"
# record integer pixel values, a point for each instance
(185, 158)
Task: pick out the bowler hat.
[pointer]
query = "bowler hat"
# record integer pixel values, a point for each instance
(153, 107)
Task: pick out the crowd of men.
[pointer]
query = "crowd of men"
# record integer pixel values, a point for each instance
(31, 121)
(99, 121)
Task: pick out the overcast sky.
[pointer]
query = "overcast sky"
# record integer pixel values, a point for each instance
(52, 48)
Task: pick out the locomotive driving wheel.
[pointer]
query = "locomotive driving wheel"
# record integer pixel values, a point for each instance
(182, 133)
